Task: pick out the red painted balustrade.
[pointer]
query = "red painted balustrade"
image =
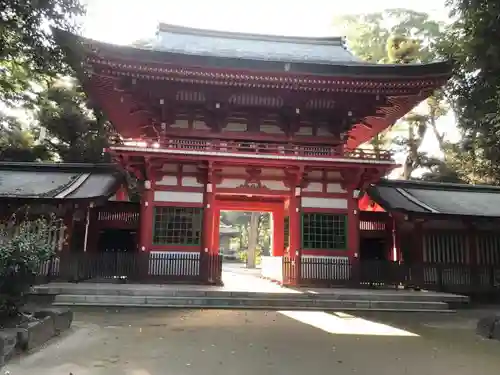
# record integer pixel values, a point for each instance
(265, 148)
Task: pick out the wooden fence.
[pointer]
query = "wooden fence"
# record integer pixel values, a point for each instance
(134, 267)
(327, 272)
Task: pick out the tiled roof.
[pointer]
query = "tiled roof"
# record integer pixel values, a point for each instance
(58, 181)
(253, 46)
(437, 198)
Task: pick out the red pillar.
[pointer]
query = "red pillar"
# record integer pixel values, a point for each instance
(295, 238)
(146, 217)
(352, 226)
(278, 232)
(208, 220)
(216, 231)
(295, 226)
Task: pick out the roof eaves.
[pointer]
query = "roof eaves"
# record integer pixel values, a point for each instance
(427, 185)
(418, 202)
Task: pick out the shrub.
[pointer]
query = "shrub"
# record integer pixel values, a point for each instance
(23, 247)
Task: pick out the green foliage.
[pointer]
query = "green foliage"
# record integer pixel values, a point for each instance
(472, 41)
(27, 50)
(17, 143)
(22, 249)
(402, 50)
(74, 132)
(401, 36)
(368, 34)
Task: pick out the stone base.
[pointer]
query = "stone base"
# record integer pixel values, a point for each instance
(50, 322)
(489, 327)
(8, 343)
(61, 317)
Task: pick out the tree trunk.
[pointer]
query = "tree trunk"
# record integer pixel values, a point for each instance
(253, 236)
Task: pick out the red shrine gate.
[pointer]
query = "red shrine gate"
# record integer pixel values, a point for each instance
(210, 119)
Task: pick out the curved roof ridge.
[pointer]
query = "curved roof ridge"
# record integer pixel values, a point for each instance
(405, 184)
(177, 29)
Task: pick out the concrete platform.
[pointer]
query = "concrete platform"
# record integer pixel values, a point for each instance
(272, 297)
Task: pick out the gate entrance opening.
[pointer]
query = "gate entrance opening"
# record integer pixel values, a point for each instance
(244, 237)
(274, 207)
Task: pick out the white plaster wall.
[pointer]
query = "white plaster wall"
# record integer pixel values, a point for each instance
(167, 181)
(322, 132)
(178, 196)
(305, 130)
(231, 183)
(275, 185)
(335, 203)
(235, 127)
(180, 124)
(334, 188)
(200, 125)
(270, 129)
(316, 187)
(191, 182)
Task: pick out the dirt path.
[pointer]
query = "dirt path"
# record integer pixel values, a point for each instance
(160, 341)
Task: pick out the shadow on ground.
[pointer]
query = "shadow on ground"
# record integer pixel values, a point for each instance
(166, 341)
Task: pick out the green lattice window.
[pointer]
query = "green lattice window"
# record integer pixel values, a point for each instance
(324, 231)
(286, 231)
(177, 226)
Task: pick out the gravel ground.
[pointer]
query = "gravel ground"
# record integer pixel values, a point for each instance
(220, 342)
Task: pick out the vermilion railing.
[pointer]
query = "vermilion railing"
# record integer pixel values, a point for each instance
(251, 147)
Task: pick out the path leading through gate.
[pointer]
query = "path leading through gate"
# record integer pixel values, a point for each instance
(236, 277)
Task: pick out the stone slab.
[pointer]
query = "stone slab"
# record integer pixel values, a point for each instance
(188, 291)
(36, 333)
(489, 327)
(289, 303)
(61, 317)
(8, 343)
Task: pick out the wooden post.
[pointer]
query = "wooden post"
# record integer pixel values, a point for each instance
(146, 218)
(473, 256)
(295, 235)
(208, 220)
(353, 226)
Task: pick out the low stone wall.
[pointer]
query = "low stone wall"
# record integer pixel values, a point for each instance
(50, 322)
(489, 327)
(272, 268)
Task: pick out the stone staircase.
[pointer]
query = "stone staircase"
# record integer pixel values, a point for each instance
(172, 296)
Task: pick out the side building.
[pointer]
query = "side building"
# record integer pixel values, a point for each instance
(447, 233)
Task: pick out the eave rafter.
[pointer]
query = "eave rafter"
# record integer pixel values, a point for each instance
(301, 82)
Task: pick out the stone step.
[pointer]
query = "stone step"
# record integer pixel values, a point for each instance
(187, 293)
(248, 303)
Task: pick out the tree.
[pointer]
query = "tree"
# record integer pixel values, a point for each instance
(27, 49)
(17, 143)
(73, 131)
(475, 87)
(400, 36)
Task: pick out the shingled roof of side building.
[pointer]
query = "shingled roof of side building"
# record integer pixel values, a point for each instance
(420, 198)
(59, 181)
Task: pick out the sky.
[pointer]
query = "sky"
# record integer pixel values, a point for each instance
(126, 21)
